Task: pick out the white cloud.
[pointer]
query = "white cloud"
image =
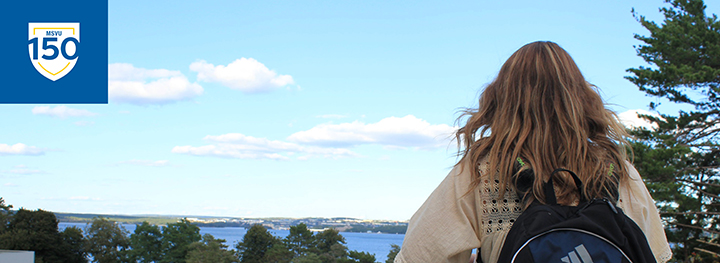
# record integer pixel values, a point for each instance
(240, 146)
(10, 185)
(62, 112)
(244, 74)
(126, 71)
(146, 163)
(630, 119)
(20, 149)
(139, 86)
(408, 131)
(326, 140)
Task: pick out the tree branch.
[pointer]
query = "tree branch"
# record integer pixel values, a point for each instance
(694, 227)
(709, 243)
(701, 183)
(707, 251)
(701, 191)
(690, 213)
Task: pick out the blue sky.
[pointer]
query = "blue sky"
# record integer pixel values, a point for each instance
(293, 108)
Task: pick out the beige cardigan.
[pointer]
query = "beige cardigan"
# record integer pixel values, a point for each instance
(448, 225)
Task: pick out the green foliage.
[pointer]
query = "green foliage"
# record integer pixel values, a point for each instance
(300, 240)
(336, 254)
(300, 246)
(107, 241)
(176, 240)
(210, 250)
(393, 253)
(685, 51)
(279, 253)
(5, 215)
(73, 245)
(679, 159)
(37, 221)
(326, 239)
(308, 258)
(255, 244)
(37, 231)
(146, 243)
(359, 257)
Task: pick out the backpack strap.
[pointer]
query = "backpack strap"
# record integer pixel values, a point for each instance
(549, 189)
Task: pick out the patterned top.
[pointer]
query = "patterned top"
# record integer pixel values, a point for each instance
(454, 220)
(498, 214)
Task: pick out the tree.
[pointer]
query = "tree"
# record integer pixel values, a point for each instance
(393, 253)
(255, 244)
(5, 215)
(176, 240)
(73, 245)
(107, 241)
(35, 231)
(338, 253)
(308, 258)
(359, 257)
(279, 253)
(300, 240)
(210, 250)
(330, 246)
(680, 156)
(327, 238)
(146, 243)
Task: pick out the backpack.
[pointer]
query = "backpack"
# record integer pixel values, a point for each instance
(594, 231)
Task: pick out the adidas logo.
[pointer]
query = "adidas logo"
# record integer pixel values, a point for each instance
(582, 256)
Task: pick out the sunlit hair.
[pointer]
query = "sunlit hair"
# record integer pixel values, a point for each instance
(541, 109)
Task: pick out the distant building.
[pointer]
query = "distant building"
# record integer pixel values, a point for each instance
(17, 256)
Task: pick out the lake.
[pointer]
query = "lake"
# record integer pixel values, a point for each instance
(378, 244)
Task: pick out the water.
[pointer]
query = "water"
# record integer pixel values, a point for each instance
(378, 244)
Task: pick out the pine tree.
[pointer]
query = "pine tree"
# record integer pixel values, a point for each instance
(255, 244)
(679, 158)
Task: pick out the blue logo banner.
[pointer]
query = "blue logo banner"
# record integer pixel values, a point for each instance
(44, 58)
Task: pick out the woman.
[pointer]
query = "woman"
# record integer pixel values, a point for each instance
(539, 114)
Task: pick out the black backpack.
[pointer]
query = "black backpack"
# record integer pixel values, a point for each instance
(595, 231)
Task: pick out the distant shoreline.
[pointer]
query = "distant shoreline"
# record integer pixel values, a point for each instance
(342, 224)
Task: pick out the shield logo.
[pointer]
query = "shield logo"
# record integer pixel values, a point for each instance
(54, 48)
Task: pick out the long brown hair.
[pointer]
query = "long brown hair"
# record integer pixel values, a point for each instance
(541, 109)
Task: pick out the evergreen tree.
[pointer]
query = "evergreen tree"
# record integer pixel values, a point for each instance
(146, 243)
(300, 240)
(327, 238)
(393, 253)
(176, 240)
(279, 253)
(359, 257)
(255, 244)
(210, 250)
(679, 158)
